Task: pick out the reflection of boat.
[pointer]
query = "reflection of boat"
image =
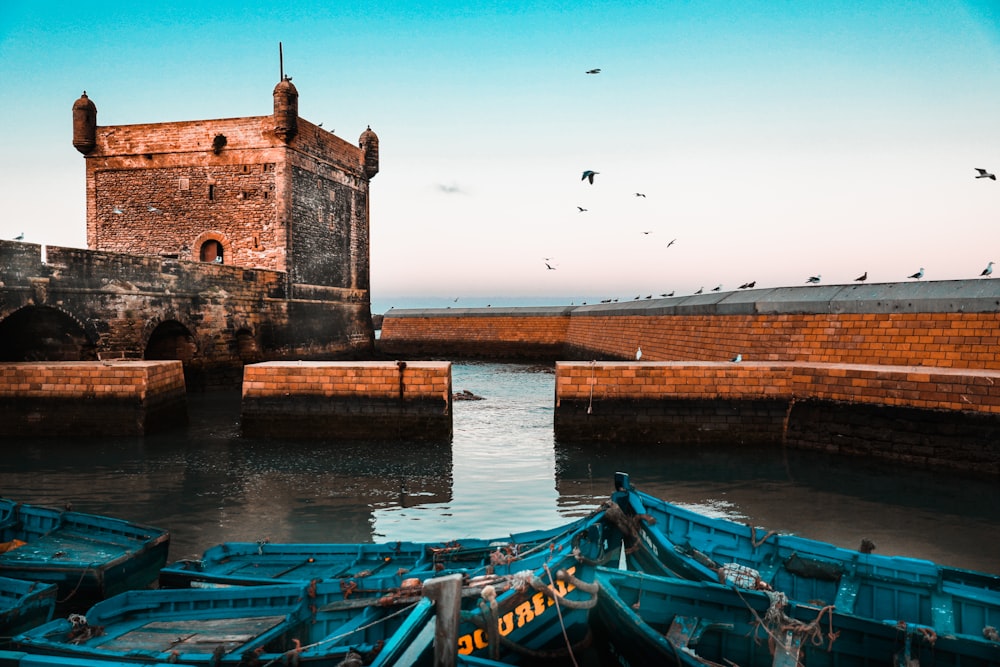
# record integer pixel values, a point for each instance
(537, 609)
(373, 566)
(88, 556)
(643, 619)
(24, 604)
(668, 540)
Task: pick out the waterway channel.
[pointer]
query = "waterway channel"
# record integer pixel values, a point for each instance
(503, 472)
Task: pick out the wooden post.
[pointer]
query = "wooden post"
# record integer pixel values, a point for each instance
(446, 592)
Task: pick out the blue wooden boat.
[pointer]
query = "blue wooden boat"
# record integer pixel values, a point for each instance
(375, 566)
(23, 605)
(668, 540)
(539, 612)
(643, 619)
(88, 556)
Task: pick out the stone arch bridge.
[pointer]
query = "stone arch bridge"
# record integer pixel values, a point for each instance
(67, 304)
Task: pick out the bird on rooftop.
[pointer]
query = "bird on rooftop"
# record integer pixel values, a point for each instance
(671, 243)
(988, 270)
(589, 175)
(863, 277)
(748, 285)
(700, 290)
(918, 275)
(717, 287)
(19, 237)
(737, 359)
(596, 70)
(668, 295)
(582, 209)
(814, 279)
(985, 174)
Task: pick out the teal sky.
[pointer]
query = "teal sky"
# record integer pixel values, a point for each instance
(773, 140)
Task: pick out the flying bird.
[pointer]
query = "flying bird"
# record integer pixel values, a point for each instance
(985, 174)
(596, 70)
(649, 232)
(589, 175)
(863, 277)
(582, 209)
(918, 275)
(814, 279)
(988, 270)
(671, 243)
(639, 194)
(549, 267)
(737, 359)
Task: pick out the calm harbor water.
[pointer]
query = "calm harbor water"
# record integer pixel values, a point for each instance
(502, 473)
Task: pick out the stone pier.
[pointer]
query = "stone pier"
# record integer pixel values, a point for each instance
(941, 417)
(372, 400)
(91, 398)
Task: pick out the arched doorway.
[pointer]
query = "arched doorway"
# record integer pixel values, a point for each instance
(211, 251)
(170, 340)
(42, 333)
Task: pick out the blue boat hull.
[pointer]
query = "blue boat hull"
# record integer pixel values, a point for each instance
(667, 540)
(24, 605)
(643, 619)
(88, 556)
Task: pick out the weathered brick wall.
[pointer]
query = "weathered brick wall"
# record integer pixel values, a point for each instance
(513, 333)
(112, 303)
(300, 207)
(952, 324)
(348, 400)
(938, 417)
(91, 398)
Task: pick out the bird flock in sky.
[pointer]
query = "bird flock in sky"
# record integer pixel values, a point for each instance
(589, 176)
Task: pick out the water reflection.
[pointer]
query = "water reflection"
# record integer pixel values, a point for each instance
(502, 473)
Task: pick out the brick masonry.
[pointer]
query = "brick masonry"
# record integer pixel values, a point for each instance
(91, 398)
(902, 372)
(408, 401)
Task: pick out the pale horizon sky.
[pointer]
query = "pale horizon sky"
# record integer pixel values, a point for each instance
(772, 140)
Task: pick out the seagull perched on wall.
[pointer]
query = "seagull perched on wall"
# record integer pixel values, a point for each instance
(589, 176)
(19, 237)
(638, 353)
(985, 174)
(737, 359)
(918, 275)
(988, 270)
(863, 277)
(153, 209)
(814, 279)
(117, 211)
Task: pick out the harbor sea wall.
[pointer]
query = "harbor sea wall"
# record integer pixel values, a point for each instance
(366, 400)
(950, 324)
(941, 418)
(896, 371)
(80, 398)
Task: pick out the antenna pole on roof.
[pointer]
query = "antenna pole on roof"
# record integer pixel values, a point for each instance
(281, 62)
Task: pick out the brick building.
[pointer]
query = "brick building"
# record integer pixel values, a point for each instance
(268, 192)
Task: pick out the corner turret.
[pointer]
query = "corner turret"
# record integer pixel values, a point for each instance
(84, 124)
(369, 144)
(286, 109)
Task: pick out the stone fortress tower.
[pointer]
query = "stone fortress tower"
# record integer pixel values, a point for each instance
(268, 192)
